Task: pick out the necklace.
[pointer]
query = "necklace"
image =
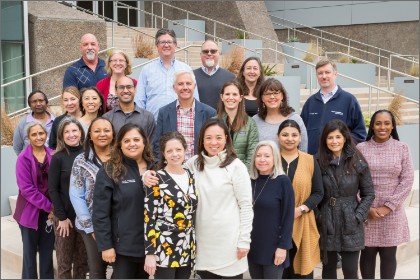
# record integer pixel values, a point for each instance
(255, 188)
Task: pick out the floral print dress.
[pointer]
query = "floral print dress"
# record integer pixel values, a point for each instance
(169, 221)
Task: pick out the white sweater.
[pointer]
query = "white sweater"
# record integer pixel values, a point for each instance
(224, 215)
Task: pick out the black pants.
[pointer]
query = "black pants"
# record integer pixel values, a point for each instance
(97, 267)
(129, 268)
(289, 273)
(258, 271)
(208, 275)
(350, 261)
(42, 241)
(388, 262)
(173, 273)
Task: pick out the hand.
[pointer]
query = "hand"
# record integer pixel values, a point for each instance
(150, 179)
(64, 227)
(51, 215)
(298, 212)
(93, 236)
(109, 255)
(280, 256)
(241, 252)
(150, 264)
(383, 211)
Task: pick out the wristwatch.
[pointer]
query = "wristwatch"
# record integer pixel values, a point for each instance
(302, 210)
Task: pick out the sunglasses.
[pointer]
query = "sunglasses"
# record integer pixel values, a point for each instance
(208, 51)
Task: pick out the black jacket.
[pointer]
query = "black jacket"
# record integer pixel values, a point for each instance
(342, 211)
(118, 212)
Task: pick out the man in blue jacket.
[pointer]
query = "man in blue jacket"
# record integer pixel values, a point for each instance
(331, 102)
(185, 115)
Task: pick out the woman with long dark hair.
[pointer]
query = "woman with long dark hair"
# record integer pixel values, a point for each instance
(242, 128)
(348, 195)
(97, 151)
(91, 104)
(118, 203)
(392, 172)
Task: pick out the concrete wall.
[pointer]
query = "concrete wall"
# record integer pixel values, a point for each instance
(8, 178)
(249, 15)
(54, 36)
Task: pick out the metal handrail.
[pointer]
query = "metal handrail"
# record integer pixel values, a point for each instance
(333, 34)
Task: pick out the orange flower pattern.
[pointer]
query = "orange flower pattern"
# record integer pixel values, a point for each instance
(169, 221)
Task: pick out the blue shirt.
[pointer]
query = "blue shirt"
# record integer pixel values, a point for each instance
(80, 75)
(327, 96)
(155, 85)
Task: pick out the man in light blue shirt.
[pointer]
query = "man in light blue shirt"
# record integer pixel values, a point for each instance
(155, 83)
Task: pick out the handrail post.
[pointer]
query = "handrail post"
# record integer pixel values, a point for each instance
(214, 31)
(389, 71)
(128, 16)
(162, 15)
(370, 100)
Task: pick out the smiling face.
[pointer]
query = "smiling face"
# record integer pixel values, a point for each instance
(174, 153)
(166, 46)
(125, 90)
(91, 101)
(184, 87)
(264, 160)
(132, 144)
(231, 97)
(335, 142)
(71, 135)
(101, 133)
(37, 136)
(382, 127)
(70, 103)
(272, 99)
(214, 140)
(117, 63)
(289, 138)
(38, 103)
(252, 71)
(89, 47)
(209, 59)
(326, 76)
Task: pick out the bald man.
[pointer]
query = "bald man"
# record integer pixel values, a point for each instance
(89, 69)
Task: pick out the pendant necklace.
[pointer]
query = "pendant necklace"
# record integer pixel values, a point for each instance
(255, 188)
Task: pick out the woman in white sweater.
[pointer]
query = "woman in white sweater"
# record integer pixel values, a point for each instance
(224, 214)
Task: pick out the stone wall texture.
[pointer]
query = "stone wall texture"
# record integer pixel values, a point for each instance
(54, 39)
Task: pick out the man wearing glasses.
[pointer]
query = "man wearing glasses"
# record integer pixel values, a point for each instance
(127, 111)
(155, 82)
(89, 69)
(211, 77)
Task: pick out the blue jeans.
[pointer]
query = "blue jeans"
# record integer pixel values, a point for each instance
(42, 241)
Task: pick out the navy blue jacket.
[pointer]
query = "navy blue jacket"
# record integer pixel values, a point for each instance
(274, 215)
(343, 105)
(166, 122)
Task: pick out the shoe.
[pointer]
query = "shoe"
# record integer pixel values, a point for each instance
(339, 263)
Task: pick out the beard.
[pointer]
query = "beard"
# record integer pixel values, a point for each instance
(209, 62)
(90, 55)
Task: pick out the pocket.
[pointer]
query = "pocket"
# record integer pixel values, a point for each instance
(350, 223)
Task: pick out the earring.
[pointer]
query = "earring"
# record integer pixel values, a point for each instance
(264, 105)
(165, 162)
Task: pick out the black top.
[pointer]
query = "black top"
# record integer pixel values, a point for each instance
(274, 211)
(118, 211)
(59, 182)
(317, 190)
(251, 107)
(52, 142)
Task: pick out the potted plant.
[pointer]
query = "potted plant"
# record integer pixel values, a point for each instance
(242, 39)
(143, 51)
(8, 158)
(356, 69)
(409, 85)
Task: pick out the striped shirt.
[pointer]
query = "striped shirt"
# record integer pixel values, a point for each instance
(185, 126)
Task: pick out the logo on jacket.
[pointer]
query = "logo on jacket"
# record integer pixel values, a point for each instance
(128, 181)
(337, 113)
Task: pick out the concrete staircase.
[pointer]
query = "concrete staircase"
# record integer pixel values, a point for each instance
(407, 254)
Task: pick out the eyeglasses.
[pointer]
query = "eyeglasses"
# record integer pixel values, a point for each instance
(169, 43)
(122, 87)
(208, 51)
(118, 60)
(274, 93)
(37, 101)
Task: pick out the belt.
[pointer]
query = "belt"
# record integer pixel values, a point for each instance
(333, 200)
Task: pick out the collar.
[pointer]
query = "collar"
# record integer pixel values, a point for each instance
(172, 62)
(205, 70)
(334, 91)
(30, 117)
(178, 106)
(136, 108)
(215, 159)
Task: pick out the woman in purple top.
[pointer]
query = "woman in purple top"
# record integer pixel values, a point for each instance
(34, 207)
(392, 173)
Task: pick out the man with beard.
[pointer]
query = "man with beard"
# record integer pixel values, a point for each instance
(89, 69)
(127, 111)
(210, 77)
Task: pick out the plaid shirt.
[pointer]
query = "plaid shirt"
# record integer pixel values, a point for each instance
(185, 126)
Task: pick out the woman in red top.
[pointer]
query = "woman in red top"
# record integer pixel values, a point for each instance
(118, 64)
